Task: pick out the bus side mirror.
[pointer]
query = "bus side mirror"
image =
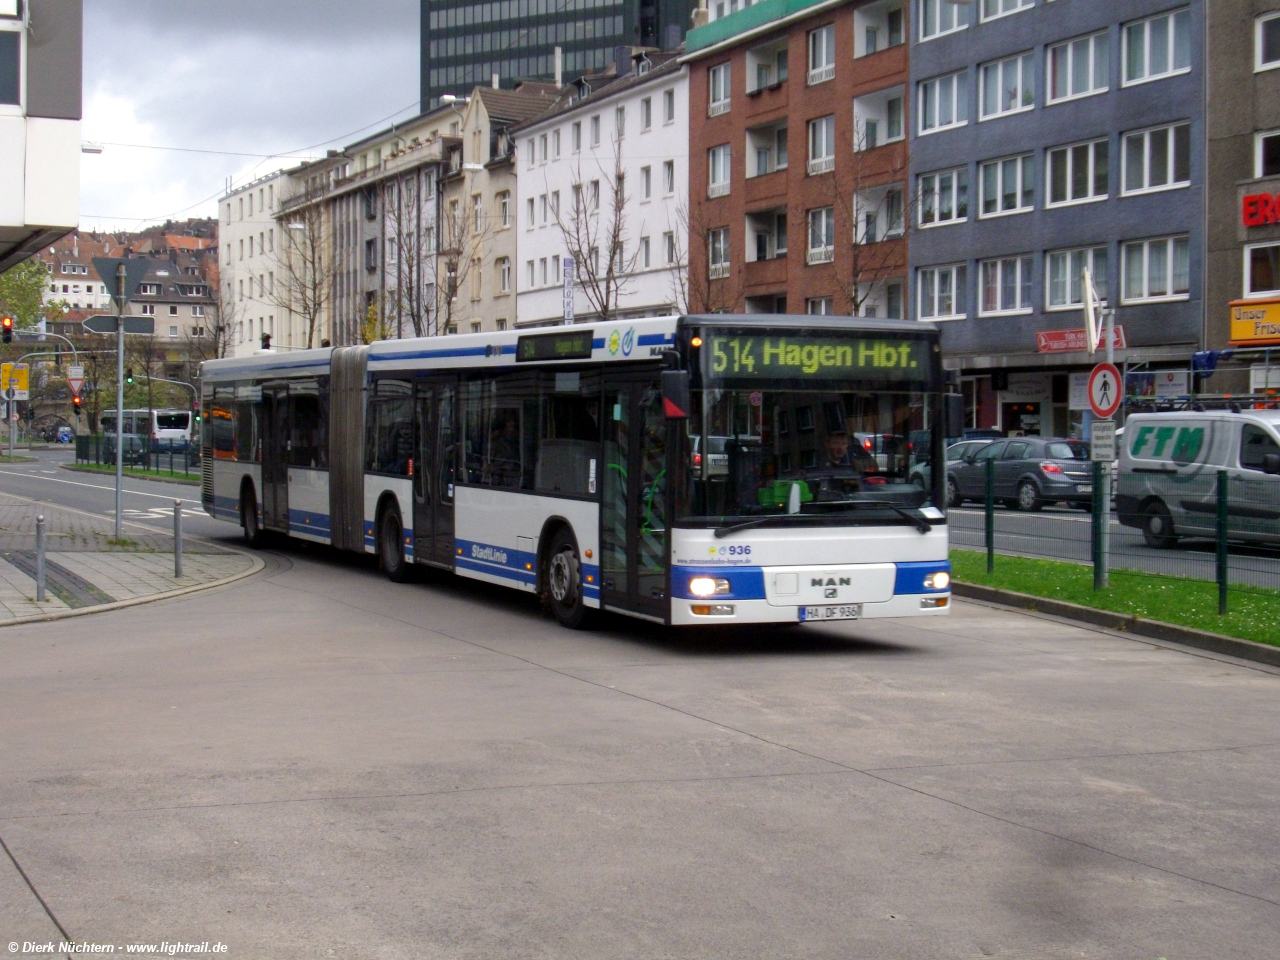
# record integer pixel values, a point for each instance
(955, 414)
(675, 394)
(1271, 463)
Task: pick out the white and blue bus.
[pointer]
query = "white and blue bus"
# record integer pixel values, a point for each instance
(686, 470)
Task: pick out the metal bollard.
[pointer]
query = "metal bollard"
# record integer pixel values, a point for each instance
(990, 517)
(40, 595)
(177, 539)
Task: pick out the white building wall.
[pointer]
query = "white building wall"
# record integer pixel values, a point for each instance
(648, 291)
(249, 267)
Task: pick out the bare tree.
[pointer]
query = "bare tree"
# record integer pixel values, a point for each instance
(692, 286)
(463, 235)
(596, 238)
(870, 196)
(409, 236)
(305, 286)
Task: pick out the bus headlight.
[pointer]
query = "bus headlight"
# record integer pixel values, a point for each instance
(708, 586)
(938, 581)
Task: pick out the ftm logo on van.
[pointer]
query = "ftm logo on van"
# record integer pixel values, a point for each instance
(1180, 444)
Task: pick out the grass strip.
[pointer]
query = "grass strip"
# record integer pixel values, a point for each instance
(136, 473)
(1253, 614)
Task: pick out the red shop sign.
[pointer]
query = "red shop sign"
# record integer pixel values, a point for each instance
(1260, 209)
(1071, 341)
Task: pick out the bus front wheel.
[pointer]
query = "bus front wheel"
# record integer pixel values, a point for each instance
(564, 581)
(249, 518)
(391, 546)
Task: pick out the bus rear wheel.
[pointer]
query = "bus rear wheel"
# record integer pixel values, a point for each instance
(253, 535)
(391, 546)
(564, 581)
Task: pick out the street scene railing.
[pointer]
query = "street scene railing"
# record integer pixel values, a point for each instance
(172, 457)
(1232, 537)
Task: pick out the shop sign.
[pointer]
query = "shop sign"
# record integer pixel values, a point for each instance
(1073, 341)
(1078, 390)
(1158, 383)
(1255, 322)
(1260, 209)
(1028, 388)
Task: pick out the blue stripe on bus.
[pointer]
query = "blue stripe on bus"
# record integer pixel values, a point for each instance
(491, 558)
(304, 521)
(654, 339)
(745, 583)
(434, 354)
(910, 577)
(219, 372)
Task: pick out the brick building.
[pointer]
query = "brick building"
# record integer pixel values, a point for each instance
(798, 164)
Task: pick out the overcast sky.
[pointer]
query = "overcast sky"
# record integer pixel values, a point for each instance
(257, 76)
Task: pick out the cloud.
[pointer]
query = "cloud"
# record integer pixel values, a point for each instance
(232, 76)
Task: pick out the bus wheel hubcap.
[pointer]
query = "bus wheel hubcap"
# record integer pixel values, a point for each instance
(562, 576)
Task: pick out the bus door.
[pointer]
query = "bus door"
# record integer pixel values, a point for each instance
(433, 467)
(275, 457)
(633, 502)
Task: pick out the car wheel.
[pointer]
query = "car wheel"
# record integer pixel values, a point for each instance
(391, 546)
(253, 535)
(564, 581)
(1157, 526)
(1029, 497)
(953, 493)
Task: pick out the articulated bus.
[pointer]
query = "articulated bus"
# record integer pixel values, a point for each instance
(686, 470)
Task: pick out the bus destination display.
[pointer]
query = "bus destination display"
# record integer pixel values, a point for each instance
(574, 345)
(792, 357)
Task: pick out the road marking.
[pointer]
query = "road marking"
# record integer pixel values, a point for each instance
(92, 486)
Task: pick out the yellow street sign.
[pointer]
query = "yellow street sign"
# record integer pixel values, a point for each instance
(17, 376)
(1255, 322)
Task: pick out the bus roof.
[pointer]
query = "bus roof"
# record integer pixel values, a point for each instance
(617, 341)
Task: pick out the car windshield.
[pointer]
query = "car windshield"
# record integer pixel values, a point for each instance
(1063, 450)
(772, 451)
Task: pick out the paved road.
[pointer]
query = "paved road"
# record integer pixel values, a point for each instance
(315, 762)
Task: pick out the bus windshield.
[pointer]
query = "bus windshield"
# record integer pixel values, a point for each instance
(845, 451)
(173, 421)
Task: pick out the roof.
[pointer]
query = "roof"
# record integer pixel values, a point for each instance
(604, 85)
(517, 106)
(188, 243)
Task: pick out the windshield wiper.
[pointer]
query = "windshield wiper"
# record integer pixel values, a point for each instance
(918, 522)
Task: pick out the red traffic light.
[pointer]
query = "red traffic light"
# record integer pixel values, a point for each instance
(75, 402)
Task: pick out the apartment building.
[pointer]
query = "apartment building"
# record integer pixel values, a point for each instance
(249, 267)
(1049, 138)
(798, 158)
(40, 81)
(605, 170)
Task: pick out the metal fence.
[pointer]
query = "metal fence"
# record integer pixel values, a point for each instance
(1225, 531)
(171, 457)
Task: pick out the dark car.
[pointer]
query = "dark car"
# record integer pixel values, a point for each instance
(1029, 473)
(922, 473)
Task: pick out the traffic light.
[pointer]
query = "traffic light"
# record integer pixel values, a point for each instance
(7, 324)
(128, 375)
(76, 405)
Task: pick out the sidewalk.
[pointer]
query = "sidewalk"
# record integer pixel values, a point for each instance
(85, 569)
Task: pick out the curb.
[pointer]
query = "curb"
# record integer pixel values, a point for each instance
(75, 468)
(1124, 623)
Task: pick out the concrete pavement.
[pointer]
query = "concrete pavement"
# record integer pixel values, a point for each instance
(87, 568)
(315, 762)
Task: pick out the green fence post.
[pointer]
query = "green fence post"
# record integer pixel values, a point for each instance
(1099, 528)
(991, 515)
(1221, 542)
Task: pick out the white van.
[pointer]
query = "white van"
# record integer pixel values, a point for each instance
(1167, 482)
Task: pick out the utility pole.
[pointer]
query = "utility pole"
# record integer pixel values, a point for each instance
(121, 289)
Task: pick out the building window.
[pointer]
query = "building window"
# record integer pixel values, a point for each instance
(542, 207)
(1008, 86)
(822, 54)
(822, 145)
(644, 252)
(1079, 67)
(575, 137)
(532, 153)
(504, 208)
(944, 197)
(944, 102)
(668, 177)
(1008, 186)
(148, 309)
(501, 323)
(477, 213)
(1157, 159)
(822, 235)
(668, 106)
(542, 148)
(999, 8)
(1266, 162)
(197, 311)
(1157, 269)
(1262, 270)
(542, 271)
(555, 144)
(646, 182)
(1268, 42)
(718, 83)
(1157, 47)
(1006, 286)
(819, 306)
(595, 130)
(504, 274)
(941, 292)
(669, 246)
(893, 301)
(529, 218)
(718, 171)
(620, 121)
(595, 195)
(718, 253)
(1064, 272)
(173, 330)
(941, 16)
(529, 272)
(556, 276)
(1078, 173)
(173, 310)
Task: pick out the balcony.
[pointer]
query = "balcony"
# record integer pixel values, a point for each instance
(820, 255)
(718, 107)
(821, 165)
(718, 190)
(822, 74)
(766, 274)
(718, 271)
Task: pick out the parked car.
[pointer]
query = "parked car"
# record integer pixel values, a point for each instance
(883, 447)
(65, 434)
(922, 473)
(983, 433)
(1167, 482)
(1029, 473)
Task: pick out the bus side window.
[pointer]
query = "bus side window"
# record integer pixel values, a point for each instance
(570, 442)
(222, 423)
(245, 412)
(389, 428)
(308, 446)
